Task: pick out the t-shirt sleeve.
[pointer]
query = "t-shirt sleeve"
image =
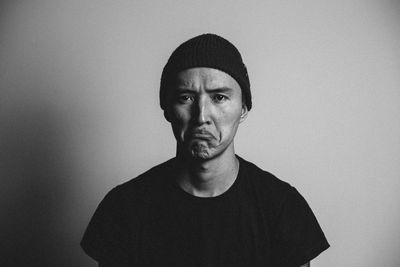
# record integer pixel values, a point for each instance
(106, 237)
(299, 236)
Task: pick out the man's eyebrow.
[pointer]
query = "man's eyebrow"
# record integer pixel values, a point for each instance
(210, 90)
(182, 90)
(220, 90)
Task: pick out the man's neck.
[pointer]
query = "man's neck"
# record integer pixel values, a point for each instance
(207, 178)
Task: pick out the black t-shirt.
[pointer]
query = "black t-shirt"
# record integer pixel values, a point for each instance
(150, 221)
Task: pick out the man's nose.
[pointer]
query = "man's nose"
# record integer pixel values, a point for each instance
(202, 110)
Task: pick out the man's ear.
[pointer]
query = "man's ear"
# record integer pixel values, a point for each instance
(245, 111)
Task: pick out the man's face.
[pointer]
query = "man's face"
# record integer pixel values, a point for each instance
(205, 108)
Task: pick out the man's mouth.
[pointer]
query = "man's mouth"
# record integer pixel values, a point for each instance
(203, 135)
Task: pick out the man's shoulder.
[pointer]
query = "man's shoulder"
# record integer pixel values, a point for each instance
(259, 175)
(263, 187)
(263, 182)
(156, 177)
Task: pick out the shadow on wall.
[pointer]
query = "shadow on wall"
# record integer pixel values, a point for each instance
(35, 186)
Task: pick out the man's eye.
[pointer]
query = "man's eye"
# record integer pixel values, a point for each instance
(219, 98)
(185, 98)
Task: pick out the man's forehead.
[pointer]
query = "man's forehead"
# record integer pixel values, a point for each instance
(205, 77)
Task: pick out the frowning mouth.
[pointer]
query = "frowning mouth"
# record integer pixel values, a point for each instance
(203, 135)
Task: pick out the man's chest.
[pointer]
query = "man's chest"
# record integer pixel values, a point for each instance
(220, 233)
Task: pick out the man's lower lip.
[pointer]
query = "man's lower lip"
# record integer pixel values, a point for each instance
(201, 136)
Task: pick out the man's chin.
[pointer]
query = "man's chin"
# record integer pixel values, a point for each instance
(200, 152)
(200, 156)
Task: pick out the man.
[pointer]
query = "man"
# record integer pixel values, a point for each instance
(207, 206)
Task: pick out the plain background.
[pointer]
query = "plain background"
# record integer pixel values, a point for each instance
(79, 113)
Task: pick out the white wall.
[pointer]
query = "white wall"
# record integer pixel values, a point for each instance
(79, 113)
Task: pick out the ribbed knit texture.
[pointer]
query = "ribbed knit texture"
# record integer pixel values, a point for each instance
(206, 50)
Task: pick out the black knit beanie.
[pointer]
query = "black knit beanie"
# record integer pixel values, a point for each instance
(206, 50)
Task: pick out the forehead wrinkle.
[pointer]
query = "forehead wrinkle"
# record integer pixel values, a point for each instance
(185, 83)
(226, 90)
(205, 78)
